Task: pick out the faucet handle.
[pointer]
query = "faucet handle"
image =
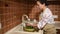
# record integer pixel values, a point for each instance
(25, 17)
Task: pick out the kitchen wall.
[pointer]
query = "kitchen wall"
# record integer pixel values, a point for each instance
(10, 15)
(11, 12)
(56, 11)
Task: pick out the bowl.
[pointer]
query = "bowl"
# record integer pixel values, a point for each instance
(28, 29)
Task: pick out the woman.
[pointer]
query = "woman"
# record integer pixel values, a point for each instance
(46, 22)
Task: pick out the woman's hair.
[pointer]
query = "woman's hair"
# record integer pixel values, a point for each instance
(43, 2)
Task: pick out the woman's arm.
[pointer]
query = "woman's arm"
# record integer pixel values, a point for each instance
(46, 18)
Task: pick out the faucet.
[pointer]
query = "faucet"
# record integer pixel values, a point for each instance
(28, 20)
(23, 19)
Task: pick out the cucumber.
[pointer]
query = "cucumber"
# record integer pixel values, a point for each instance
(29, 29)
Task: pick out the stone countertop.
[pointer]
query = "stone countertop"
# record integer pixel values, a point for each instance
(23, 32)
(57, 27)
(57, 24)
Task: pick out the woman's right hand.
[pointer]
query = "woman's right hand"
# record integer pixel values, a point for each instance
(28, 24)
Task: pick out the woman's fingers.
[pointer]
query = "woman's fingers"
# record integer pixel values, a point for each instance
(27, 24)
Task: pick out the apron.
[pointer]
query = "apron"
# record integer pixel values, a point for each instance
(48, 28)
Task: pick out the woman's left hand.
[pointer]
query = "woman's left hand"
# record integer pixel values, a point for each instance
(28, 24)
(34, 25)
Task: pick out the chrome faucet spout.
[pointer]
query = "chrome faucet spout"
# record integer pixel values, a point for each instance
(24, 16)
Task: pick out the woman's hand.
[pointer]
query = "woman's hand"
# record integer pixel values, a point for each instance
(28, 24)
(34, 25)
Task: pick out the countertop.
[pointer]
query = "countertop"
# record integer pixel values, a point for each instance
(57, 24)
(18, 30)
(23, 32)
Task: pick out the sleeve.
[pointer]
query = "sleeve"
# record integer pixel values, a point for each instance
(46, 18)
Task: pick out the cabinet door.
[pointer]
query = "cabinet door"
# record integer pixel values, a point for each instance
(58, 31)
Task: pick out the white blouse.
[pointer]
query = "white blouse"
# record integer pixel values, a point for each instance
(47, 17)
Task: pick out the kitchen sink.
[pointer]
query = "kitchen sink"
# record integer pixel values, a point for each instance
(19, 30)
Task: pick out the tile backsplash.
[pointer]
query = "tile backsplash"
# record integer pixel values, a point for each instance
(55, 10)
(10, 15)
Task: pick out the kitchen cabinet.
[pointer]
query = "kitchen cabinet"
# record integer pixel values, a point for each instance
(58, 31)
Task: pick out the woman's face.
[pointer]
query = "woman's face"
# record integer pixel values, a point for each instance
(40, 5)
